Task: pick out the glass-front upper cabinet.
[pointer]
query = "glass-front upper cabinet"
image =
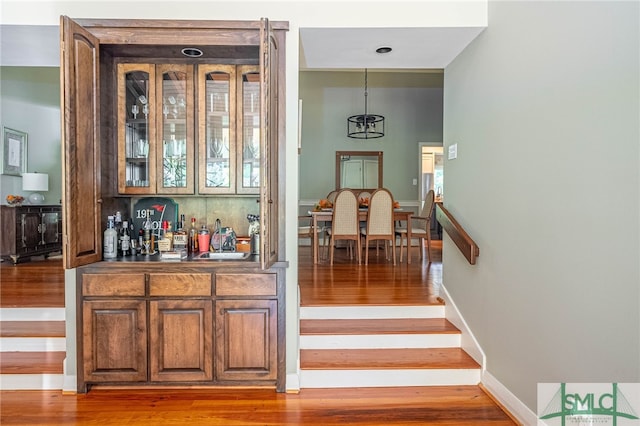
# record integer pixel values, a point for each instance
(175, 105)
(155, 129)
(217, 129)
(249, 129)
(136, 129)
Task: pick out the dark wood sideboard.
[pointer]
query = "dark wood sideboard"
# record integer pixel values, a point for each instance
(30, 230)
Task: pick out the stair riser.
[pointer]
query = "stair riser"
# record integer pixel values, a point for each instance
(31, 381)
(371, 312)
(384, 378)
(32, 314)
(378, 341)
(33, 344)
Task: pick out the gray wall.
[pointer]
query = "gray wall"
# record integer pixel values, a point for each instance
(544, 108)
(30, 102)
(411, 103)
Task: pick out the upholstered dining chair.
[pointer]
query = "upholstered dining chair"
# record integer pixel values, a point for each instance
(380, 225)
(344, 223)
(420, 227)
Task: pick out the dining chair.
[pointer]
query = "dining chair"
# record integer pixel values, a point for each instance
(380, 224)
(344, 223)
(420, 227)
(363, 197)
(331, 196)
(305, 230)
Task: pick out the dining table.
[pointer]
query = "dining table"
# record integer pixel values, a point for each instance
(326, 215)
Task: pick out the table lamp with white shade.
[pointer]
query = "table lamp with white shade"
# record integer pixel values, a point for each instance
(35, 182)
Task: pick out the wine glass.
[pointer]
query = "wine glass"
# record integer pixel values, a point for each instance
(134, 111)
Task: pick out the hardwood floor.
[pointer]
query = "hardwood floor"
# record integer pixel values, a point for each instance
(38, 283)
(343, 284)
(379, 283)
(463, 405)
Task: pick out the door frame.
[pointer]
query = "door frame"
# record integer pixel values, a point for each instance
(422, 145)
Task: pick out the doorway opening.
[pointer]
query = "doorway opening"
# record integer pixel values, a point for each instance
(431, 169)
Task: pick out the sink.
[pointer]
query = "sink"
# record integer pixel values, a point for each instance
(222, 256)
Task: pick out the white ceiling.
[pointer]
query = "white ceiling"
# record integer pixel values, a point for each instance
(413, 48)
(320, 48)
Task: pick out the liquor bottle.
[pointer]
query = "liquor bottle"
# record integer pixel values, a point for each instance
(168, 235)
(147, 241)
(135, 248)
(117, 220)
(110, 240)
(163, 244)
(141, 248)
(193, 237)
(125, 239)
(180, 237)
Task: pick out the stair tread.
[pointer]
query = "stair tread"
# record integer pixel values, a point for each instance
(361, 359)
(377, 326)
(31, 362)
(32, 329)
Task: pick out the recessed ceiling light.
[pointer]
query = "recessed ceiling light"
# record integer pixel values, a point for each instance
(384, 49)
(192, 52)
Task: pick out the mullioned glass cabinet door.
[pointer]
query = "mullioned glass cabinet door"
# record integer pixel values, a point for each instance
(136, 129)
(217, 129)
(175, 106)
(249, 129)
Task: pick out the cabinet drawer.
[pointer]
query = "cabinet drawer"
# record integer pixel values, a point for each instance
(180, 284)
(113, 284)
(245, 284)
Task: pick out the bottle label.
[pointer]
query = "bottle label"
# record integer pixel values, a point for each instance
(125, 243)
(180, 241)
(110, 244)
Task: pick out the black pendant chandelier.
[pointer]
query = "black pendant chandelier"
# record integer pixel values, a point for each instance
(365, 126)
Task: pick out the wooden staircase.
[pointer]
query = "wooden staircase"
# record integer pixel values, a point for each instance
(380, 346)
(32, 348)
(32, 325)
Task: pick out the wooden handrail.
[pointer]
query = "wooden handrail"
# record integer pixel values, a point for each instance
(467, 246)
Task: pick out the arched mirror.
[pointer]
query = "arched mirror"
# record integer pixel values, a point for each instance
(359, 169)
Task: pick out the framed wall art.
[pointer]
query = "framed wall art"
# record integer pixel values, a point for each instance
(14, 152)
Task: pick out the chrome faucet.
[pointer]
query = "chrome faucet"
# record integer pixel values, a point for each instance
(218, 230)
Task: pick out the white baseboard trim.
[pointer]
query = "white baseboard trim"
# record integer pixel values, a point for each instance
(517, 408)
(293, 383)
(511, 403)
(468, 340)
(70, 380)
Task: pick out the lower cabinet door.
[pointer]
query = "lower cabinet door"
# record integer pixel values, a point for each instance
(49, 227)
(181, 340)
(114, 341)
(30, 236)
(246, 340)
